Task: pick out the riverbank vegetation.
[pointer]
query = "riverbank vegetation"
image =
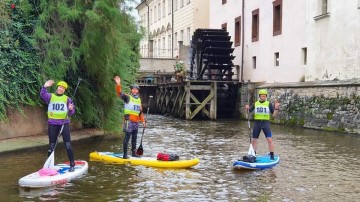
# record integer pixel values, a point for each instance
(66, 40)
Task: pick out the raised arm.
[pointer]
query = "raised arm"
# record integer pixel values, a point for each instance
(44, 93)
(119, 92)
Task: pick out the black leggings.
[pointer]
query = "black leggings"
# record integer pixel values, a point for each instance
(133, 136)
(53, 131)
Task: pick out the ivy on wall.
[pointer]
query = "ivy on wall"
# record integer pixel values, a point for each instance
(20, 72)
(64, 40)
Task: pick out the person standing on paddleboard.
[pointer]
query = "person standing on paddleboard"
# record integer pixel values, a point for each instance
(60, 107)
(263, 111)
(133, 114)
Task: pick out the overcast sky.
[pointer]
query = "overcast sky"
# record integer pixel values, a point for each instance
(133, 4)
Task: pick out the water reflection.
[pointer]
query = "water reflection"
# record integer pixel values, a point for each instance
(315, 166)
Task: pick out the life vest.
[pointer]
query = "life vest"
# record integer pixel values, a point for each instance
(262, 110)
(57, 108)
(133, 109)
(167, 157)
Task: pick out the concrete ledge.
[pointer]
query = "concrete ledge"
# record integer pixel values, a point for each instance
(12, 144)
(353, 82)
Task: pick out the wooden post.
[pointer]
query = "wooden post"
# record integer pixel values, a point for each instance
(213, 102)
(176, 101)
(187, 101)
(168, 99)
(180, 111)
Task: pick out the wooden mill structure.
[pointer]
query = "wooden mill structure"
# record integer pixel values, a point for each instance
(210, 91)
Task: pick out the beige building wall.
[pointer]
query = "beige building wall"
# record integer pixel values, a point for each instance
(201, 14)
(175, 24)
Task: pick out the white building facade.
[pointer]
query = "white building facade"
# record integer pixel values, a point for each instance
(292, 41)
(268, 37)
(166, 22)
(334, 40)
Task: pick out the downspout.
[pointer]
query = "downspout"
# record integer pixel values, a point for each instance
(172, 28)
(148, 25)
(242, 40)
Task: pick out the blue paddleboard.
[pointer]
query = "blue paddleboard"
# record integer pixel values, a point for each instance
(262, 162)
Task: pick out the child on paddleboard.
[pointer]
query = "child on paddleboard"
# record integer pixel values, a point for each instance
(263, 111)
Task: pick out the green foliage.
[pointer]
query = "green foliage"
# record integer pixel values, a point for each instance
(330, 116)
(110, 47)
(93, 40)
(65, 40)
(20, 73)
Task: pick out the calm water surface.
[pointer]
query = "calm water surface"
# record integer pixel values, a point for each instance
(315, 166)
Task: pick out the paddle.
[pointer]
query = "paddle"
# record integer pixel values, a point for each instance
(140, 150)
(50, 160)
(251, 149)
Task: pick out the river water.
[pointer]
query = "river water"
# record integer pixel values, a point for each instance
(315, 166)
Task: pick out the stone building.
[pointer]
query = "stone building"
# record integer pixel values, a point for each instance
(166, 22)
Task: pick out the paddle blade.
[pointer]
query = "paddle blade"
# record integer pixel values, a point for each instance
(49, 163)
(140, 150)
(251, 150)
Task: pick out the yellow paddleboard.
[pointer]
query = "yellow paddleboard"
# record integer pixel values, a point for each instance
(116, 158)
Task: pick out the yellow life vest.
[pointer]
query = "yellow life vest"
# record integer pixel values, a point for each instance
(262, 110)
(57, 108)
(133, 108)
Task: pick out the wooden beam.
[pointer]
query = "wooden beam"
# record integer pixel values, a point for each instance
(207, 99)
(167, 103)
(198, 102)
(213, 103)
(176, 101)
(187, 100)
(200, 87)
(181, 108)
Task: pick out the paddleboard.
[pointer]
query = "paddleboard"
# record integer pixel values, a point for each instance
(262, 162)
(63, 176)
(116, 158)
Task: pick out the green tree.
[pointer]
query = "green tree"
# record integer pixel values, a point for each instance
(20, 72)
(65, 40)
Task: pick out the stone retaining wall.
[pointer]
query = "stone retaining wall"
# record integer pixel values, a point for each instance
(331, 106)
(31, 121)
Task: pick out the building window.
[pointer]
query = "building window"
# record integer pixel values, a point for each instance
(163, 45)
(163, 10)
(150, 16)
(176, 41)
(159, 11)
(237, 31)
(169, 41)
(155, 16)
(277, 17)
(169, 6)
(255, 26)
(324, 7)
(188, 35)
(304, 56)
(223, 1)
(175, 4)
(224, 26)
(276, 59)
(182, 35)
(254, 62)
(181, 3)
(155, 48)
